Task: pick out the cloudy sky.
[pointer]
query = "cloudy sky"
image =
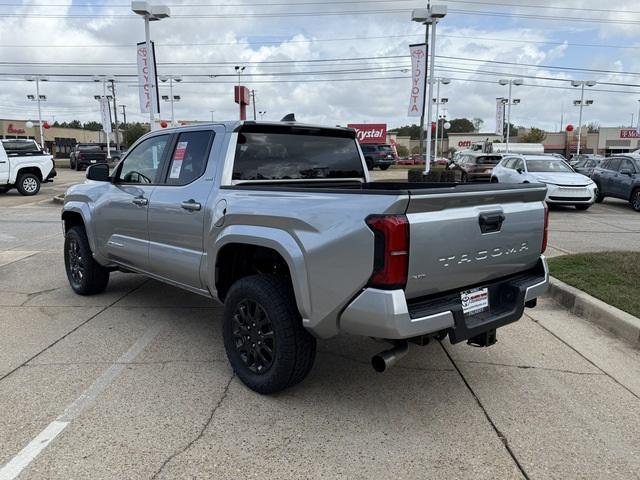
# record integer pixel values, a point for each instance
(333, 61)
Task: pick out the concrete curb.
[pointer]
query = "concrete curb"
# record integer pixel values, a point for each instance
(579, 303)
(58, 198)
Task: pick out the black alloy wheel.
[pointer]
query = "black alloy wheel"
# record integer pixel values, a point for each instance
(77, 264)
(635, 200)
(253, 336)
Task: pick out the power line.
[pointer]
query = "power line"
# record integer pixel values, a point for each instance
(319, 40)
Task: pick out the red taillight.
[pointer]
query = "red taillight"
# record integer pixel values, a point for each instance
(391, 254)
(545, 235)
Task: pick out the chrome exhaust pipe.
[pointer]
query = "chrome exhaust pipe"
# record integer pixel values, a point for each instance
(384, 360)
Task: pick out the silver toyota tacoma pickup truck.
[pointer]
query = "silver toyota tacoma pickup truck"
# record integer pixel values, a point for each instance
(281, 223)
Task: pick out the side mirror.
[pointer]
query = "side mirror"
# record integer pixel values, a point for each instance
(98, 172)
(625, 171)
(519, 170)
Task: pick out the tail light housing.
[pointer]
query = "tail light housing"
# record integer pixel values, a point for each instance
(79, 156)
(545, 235)
(391, 252)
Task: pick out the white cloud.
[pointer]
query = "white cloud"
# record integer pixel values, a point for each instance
(305, 38)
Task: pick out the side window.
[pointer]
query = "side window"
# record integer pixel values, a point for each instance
(614, 164)
(142, 165)
(626, 164)
(518, 164)
(508, 163)
(189, 158)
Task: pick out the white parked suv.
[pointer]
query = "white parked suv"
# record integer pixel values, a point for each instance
(25, 166)
(564, 185)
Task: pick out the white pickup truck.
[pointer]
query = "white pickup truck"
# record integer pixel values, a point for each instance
(25, 166)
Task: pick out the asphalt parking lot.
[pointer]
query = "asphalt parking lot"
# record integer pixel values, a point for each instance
(134, 383)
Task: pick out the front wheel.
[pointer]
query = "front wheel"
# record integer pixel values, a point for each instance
(599, 195)
(384, 167)
(494, 180)
(464, 178)
(635, 200)
(28, 184)
(265, 341)
(85, 275)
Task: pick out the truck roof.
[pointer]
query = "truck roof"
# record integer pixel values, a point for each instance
(233, 125)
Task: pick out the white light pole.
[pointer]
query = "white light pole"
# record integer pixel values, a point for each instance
(171, 79)
(581, 103)
(239, 70)
(39, 98)
(211, 112)
(150, 14)
(511, 83)
(443, 81)
(429, 17)
(445, 126)
(638, 120)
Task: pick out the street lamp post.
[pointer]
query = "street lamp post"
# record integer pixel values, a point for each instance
(443, 81)
(429, 17)
(39, 98)
(171, 79)
(638, 119)
(211, 112)
(581, 84)
(239, 69)
(511, 83)
(150, 14)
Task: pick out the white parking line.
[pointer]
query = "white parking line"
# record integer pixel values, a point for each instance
(28, 454)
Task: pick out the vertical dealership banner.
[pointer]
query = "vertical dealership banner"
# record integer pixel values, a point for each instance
(105, 114)
(418, 73)
(147, 76)
(499, 117)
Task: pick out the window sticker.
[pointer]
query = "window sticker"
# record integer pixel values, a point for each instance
(178, 157)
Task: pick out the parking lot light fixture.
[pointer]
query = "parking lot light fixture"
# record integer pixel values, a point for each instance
(150, 13)
(38, 98)
(581, 104)
(511, 82)
(429, 17)
(172, 97)
(438, 101)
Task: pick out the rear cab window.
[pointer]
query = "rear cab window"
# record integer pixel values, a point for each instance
(270, 152)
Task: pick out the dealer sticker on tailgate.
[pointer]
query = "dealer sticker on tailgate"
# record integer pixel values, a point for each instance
(475, 301)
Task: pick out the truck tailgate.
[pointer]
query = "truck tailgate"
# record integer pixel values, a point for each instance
(468, 236)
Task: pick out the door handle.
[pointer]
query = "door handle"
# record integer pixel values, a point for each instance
(140, 201)
(491, 222)
(191, 205)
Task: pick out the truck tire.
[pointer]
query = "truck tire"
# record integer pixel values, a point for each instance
(265, 341)
(599, 196)
(28, 184)
(634, 201)
(72, 164)
(384, 167)
(85, 275)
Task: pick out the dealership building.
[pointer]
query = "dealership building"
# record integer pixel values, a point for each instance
(57, 140)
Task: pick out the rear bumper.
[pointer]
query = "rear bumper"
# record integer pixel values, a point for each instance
(387, 313)
(383, 162)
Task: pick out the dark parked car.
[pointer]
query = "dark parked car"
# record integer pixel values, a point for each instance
(475, 166)
(586, 165)
(619, 177)
(85, 154)
(378, 156)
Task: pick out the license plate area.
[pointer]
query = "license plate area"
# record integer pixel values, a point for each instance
(474, 301)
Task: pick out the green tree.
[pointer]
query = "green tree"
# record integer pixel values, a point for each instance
(133, 132)
(74, 124)
(402, 151)
(93, 126)
(412, 131)
(534, 135)
(461, 125)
